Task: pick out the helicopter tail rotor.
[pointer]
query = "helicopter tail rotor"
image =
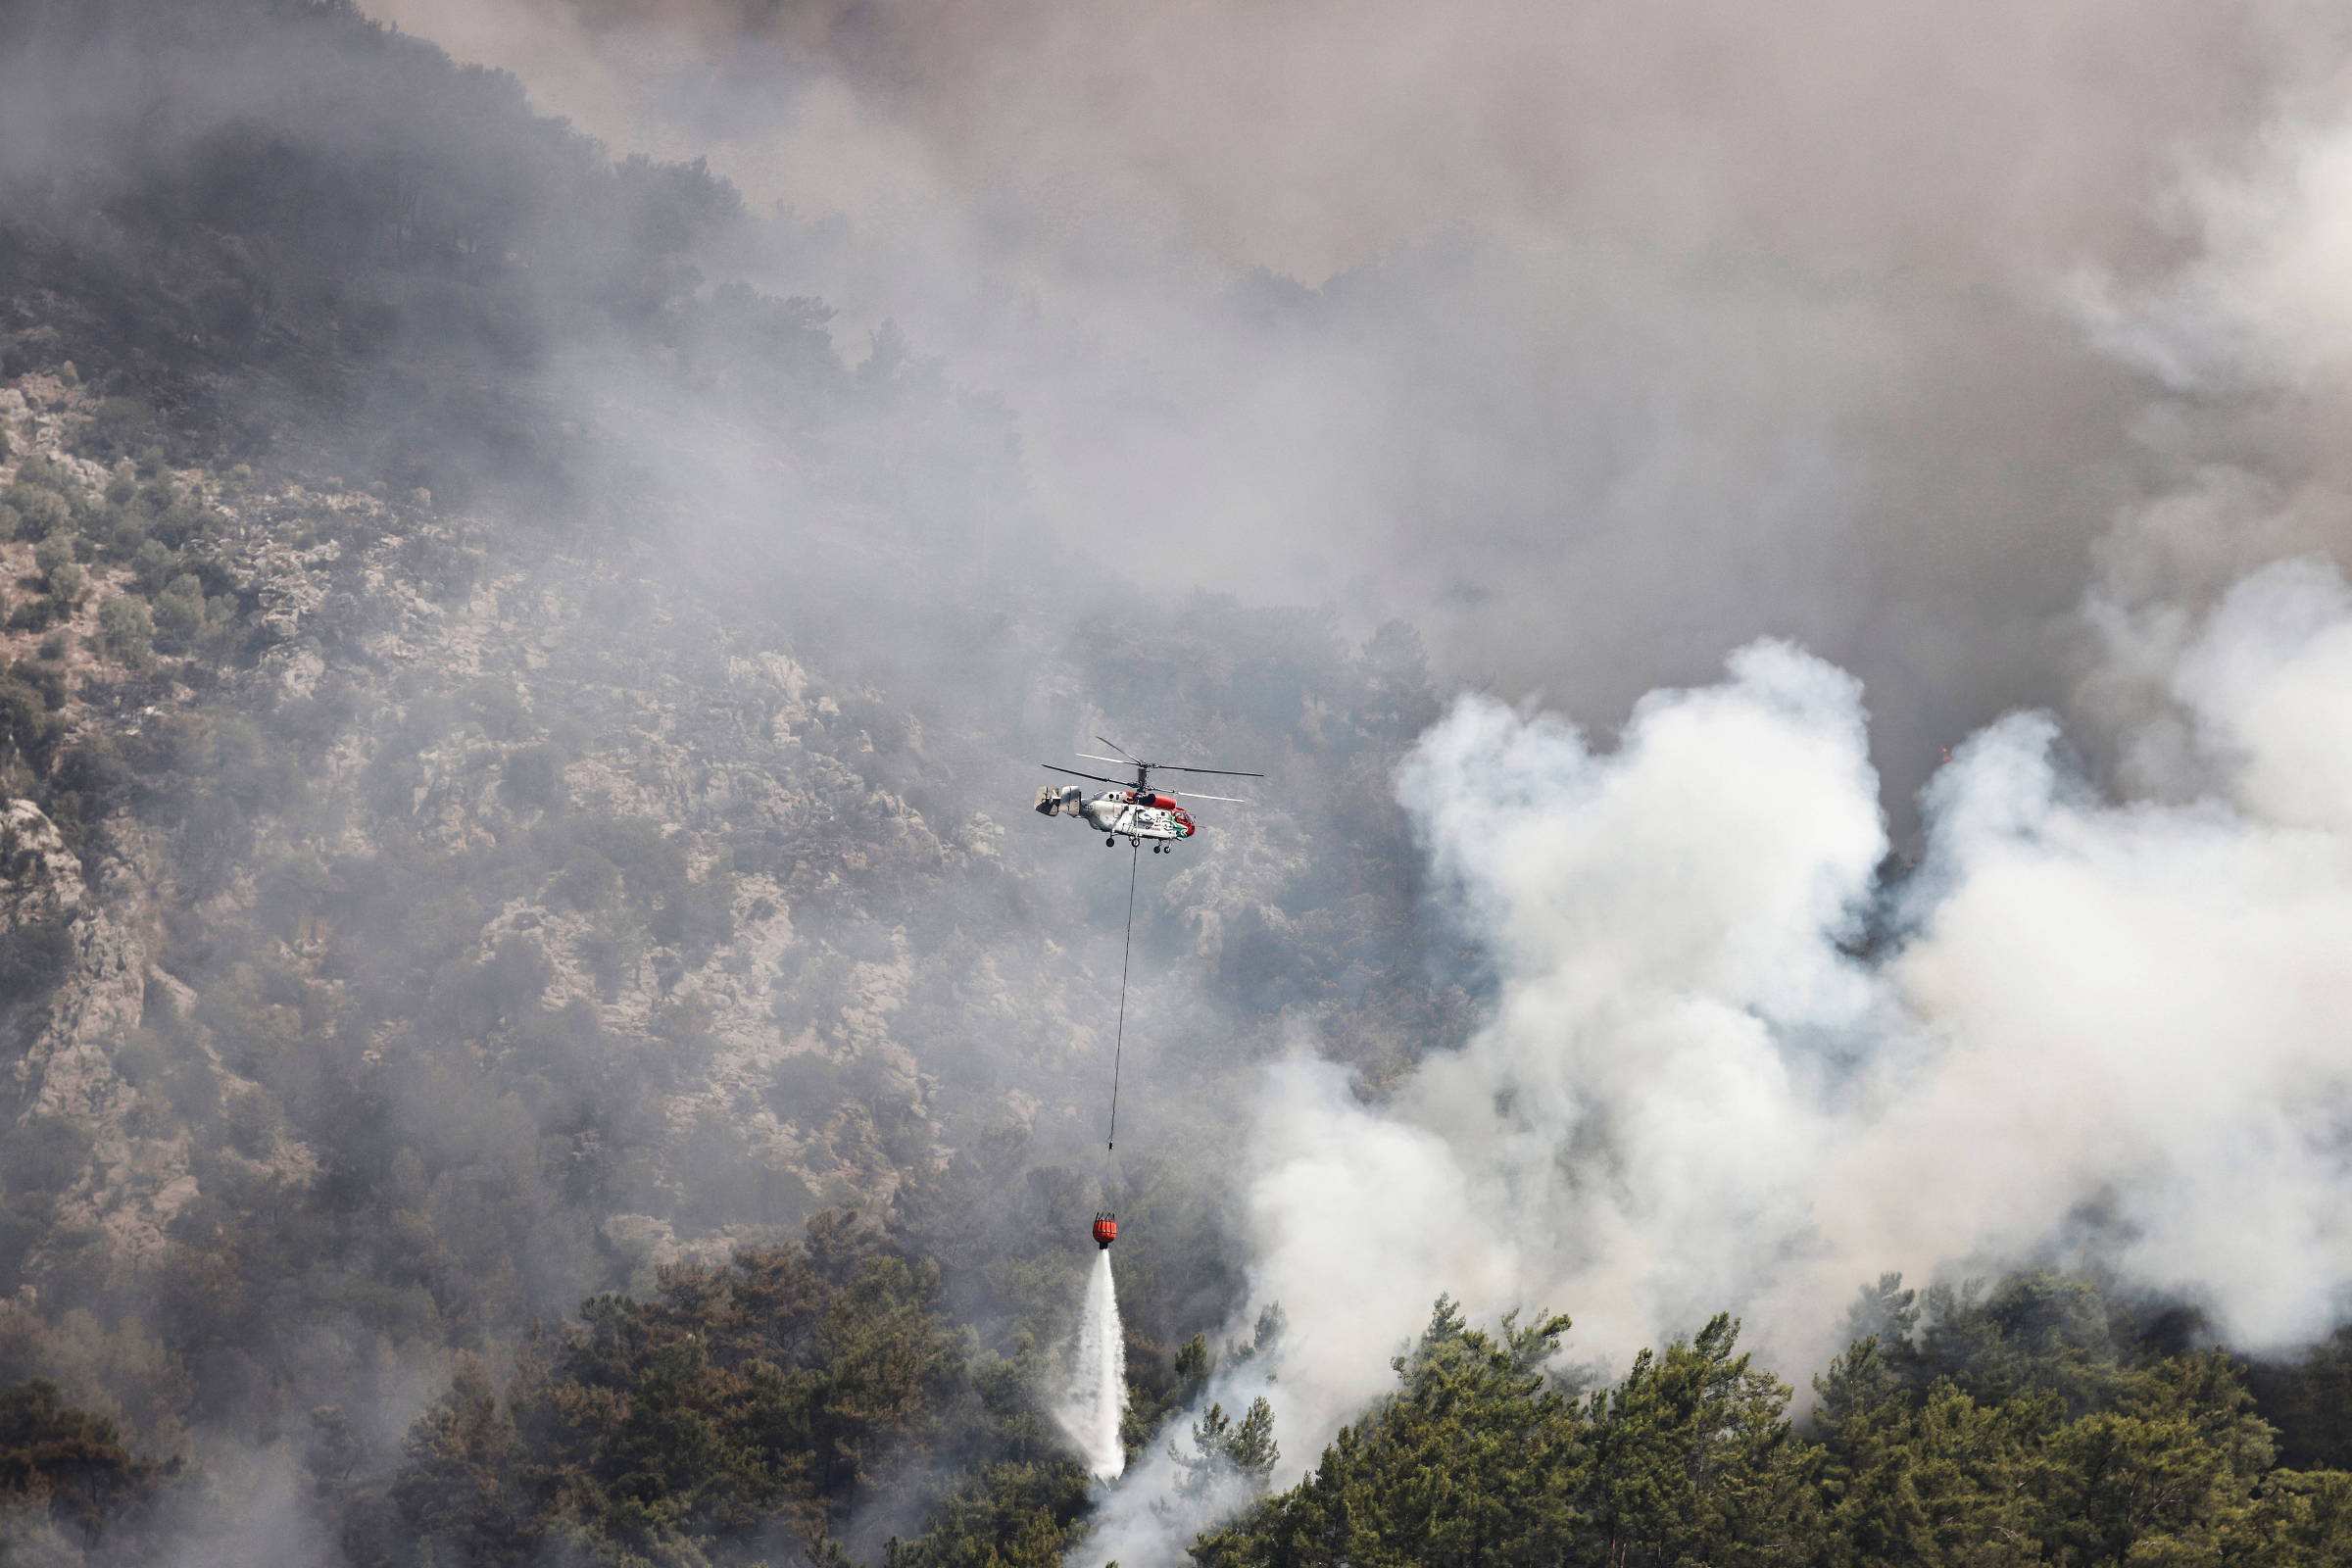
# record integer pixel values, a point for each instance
(1067, 801)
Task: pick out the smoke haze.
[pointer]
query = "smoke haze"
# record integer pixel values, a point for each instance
(1746, 406)
(1308, 137)
(1597, 349)
(1980, 354)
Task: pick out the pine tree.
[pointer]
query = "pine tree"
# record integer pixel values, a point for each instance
(1693, 1458)
(459, 1486)
(1472, 1462)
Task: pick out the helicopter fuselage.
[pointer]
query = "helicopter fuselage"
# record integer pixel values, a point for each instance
(1145, 816)
(1125, 813)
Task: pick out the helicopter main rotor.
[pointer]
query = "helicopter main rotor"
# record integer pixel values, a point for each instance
(1144, 770)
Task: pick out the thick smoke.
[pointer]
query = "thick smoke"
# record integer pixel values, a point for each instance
(2097, 1024)
(1730, 1064)
(1613, 346)
(2109, 1035)
(1309, 137)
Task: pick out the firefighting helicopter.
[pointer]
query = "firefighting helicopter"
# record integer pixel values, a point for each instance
(1132, 810)
(1138, 813)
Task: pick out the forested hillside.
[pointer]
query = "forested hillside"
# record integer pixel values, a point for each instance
(410, 934)
(538, 1026)
(2034, 1423)
(458, 865)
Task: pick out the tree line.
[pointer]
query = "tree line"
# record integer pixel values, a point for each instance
(819, 1402)
(2034, 1424)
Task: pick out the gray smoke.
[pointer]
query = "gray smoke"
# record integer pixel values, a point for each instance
(1936, 365)
(1596, 347)
(1730, 1065)
(1987, 357)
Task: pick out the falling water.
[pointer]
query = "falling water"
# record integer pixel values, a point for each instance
(1098, 1388)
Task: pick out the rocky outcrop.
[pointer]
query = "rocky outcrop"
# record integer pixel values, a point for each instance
(71, 1068)
(40, 877)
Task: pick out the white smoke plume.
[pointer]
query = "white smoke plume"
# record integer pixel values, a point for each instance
(2110, 1031)
(1096, 1395)
(1171, 1494)
(1729, 1066)
(2105, 1033)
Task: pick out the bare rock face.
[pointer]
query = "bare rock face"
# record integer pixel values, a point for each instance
(100, 976)
(39, 876)
(138, 1177)
(68, 1070)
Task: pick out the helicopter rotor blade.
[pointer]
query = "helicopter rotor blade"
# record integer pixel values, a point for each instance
(1116, 747)
(1121, 761)
(1222, 772)
(1195, 794)
(1074, 773)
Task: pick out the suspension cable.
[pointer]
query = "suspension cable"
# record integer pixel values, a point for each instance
(1135, 858)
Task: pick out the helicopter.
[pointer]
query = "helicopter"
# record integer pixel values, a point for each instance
(1131, 810)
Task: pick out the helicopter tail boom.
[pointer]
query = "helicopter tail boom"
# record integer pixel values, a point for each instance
(1067, 801)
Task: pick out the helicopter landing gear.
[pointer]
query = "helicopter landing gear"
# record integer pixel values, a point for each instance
(1112, 840)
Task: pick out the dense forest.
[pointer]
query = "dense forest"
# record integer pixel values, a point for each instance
(749, 1411)
(532, 1035)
